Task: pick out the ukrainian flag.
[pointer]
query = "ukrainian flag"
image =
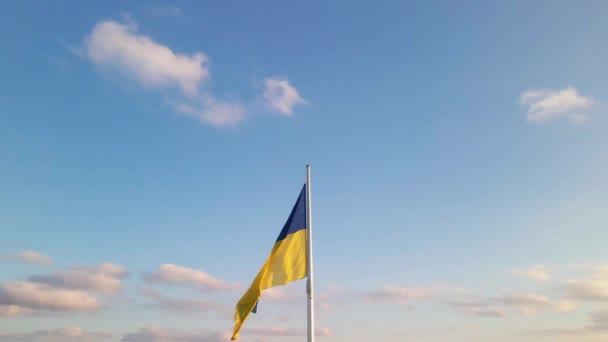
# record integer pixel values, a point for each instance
(286, 262)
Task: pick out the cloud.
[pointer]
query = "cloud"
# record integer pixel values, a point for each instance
(565, 306)
(281, 96)
(594, 288)
(106, 278)
(44, 297)
(213, 112)
(277, 294)
(546, 104)
(599, 320)
(34, 258)
(12, 310)
(173, 274)
(536, 273)
(161, 302)
(397, 294)
(477, 308)
(120, 47)
(324, 332)
(151, 64)
(285, 332)
(70, 334)
(527, 303)
(155, 334)
(597, 327)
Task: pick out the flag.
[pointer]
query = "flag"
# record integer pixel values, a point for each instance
(287, 262)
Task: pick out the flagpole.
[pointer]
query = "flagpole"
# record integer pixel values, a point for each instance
(309, 285)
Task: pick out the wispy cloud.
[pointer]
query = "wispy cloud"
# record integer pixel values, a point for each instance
(13, 310)
(181, 305)
(565, 306)
(34, 257)
(212, 111)
(597, 327)
(285, 332)
(525, 303)
(69, 334)
(119, 46)
(536, 273)
(477, 307)
(548, 104)
(173, 274)
(599, 320)
(401, 295)
(277, 294)
(281, 96)
(106, 278)
(156, 334)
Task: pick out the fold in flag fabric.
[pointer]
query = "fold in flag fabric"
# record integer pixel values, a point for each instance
(286, 263)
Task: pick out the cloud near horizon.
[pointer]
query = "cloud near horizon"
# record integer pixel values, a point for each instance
(105, 278)
(591, 289)
(120, 47)
(68, 334)
(156, 334)
(284, 331)
(29, 295)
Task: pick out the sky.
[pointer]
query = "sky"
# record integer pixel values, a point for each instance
(150, 153)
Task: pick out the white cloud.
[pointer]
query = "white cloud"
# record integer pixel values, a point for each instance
(34, 258)
(281, 96)
(152, 64)
(536, 273)
(106, 278)
(173, 274)
(69, 334)
(119, 46)
(44, 297)
(401, 295)
(546, 104)
(156, 334)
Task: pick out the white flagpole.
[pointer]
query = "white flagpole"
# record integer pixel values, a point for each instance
(309, 287)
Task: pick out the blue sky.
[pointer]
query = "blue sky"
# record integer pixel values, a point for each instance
(150, 154)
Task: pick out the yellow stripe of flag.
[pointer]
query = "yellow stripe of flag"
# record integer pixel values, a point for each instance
(286, 262)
